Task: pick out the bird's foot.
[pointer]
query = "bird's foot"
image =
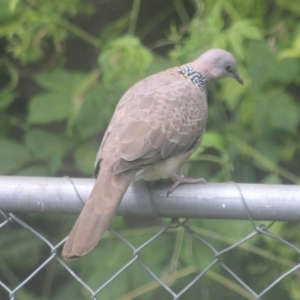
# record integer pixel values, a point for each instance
(182, 179)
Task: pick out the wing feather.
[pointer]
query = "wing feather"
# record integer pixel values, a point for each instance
(160, 117)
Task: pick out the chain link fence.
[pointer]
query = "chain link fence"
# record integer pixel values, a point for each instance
(208, 200)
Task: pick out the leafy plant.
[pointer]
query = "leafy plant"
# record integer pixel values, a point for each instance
(54, 127)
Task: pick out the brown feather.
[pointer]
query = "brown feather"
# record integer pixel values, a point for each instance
(97, 213)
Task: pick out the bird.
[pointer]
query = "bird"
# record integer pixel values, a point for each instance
(157, 124)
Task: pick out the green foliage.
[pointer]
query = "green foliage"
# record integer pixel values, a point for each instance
(213, 32)
(85, 157)
(63, 102)
(252, 134)
(124, 60)
(13, 155)
(5, 99)
(294, 51)
(27, 24)
(265, 68)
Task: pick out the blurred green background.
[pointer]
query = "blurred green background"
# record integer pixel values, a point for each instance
(64, 66)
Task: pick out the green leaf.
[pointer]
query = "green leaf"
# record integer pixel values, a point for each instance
(49, 107)
(214, 19)
(34, 170)
(6, 16)
(277, 110)
(286, 71)
(288, 149)
(213, 139)
(60, 81)
(85, 157)
(238, 32)
(294, 51)
(124, 57)
(266, 148)
(69, 92)
(288, 5)
(6, 98)
(45, 145)
(271, 179)
(13, 156)
(96, 111)
(42, 143)
(264, 66)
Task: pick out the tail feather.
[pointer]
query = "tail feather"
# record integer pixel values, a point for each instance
(97, 213)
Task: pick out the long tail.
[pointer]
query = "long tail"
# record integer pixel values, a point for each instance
(97, 213)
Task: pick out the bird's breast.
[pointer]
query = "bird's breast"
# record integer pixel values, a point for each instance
(162, 169)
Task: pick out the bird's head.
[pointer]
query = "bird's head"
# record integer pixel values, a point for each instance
(216, 64)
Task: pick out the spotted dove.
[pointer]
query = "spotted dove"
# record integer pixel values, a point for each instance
(157, 125)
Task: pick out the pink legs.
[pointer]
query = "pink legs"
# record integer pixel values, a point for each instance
(182, 179)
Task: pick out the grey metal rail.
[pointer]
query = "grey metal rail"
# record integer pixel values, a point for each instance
(211, 200)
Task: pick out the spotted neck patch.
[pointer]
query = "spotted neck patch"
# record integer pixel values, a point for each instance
(196, 77)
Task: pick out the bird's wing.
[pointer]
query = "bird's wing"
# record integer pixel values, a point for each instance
(162, 116)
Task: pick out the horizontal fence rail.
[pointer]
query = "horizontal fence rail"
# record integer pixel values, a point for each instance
(208, 200)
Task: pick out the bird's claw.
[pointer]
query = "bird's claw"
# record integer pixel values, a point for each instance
(182, 179)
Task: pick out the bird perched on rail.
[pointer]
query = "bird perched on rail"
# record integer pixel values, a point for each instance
(157, 125)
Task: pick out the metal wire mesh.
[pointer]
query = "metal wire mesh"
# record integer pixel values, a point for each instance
(244, 290)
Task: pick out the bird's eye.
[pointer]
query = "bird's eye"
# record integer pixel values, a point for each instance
(228, 69)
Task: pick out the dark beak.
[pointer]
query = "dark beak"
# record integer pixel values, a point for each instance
(238, 78)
